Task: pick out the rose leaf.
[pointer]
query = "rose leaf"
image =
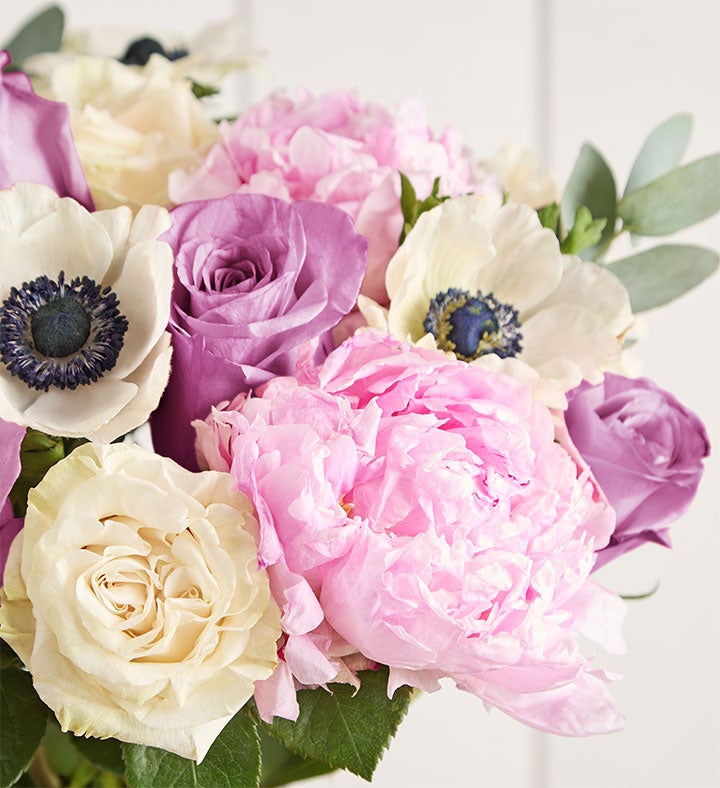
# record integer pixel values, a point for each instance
(23, 717)
(233, 761)
(344, 728)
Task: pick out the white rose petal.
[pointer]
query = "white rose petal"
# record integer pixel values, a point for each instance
(134, 598)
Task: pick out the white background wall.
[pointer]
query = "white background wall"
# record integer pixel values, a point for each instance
(551, 74)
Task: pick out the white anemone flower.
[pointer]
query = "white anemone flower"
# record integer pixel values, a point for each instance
(84, 302)
(488, 283)
(205, 57)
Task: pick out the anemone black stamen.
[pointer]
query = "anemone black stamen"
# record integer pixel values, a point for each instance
(142, 49)
(473, 325)
(58, 333)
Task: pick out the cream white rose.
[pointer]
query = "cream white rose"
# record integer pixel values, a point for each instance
(517, 172)
(84, 303)
(131, 127)
(134, 598)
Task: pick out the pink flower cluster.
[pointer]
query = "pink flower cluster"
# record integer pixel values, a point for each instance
(332, 148)
(417, 512)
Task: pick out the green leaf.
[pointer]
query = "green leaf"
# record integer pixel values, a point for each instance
(281, 767)
(591, 185)
(584, 233)
(202, 91)
(660, 275)
(103, 753)
(345, 730)
(43, 33)
(60, 750)
(233, 761)
(408, 198)
(676, 200)
(23, 717)
(38, 453)
(549, 217)
(661, 152)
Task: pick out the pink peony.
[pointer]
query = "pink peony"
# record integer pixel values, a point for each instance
(426, 505)
(332, 148)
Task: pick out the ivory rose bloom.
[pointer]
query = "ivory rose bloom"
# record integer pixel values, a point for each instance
(84, 302)
(131, 128)
(445, 533)
(134, 598)
(334, 148)
(486, 282)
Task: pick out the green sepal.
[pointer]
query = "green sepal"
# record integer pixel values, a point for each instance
(586, 232)
(549, 216)
(412, 208)
(343, 728)
(43, 33)
(591, 185)
(202, 91)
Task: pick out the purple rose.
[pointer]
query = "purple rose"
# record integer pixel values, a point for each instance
(36, 143)
(10, 439)
(256, 278)
(645, 449)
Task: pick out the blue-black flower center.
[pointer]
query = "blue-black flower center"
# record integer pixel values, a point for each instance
(473, 325)
(60, 327)
(61, 334)
(142, 49)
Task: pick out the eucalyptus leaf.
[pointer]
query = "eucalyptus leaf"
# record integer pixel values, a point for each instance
(23, 717)
(660, 275)
(43, 33)
(591, 185)
(233, 761)
(675, 200)
(661, 152)
(342, 728)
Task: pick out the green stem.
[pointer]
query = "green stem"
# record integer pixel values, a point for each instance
(42, 772)
(603, 250)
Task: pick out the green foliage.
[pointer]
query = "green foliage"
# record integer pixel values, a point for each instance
(23, 717)
(38, 453)
(412, 208)
(661, 152)
(675, 200)
(344, 729)
(105, 754)
(43, 33)
(233, 761)
(201, 91)
(592, 186)
(658, 276)
(586, 232)
(549, 216)
(281, 767)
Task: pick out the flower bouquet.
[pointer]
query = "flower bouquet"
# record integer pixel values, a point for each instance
(394, 430)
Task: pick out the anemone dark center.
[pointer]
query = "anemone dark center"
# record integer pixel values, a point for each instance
(142, 49)
(473, 325)
(60, 327)
(61, 334)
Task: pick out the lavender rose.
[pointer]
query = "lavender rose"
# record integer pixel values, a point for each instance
(256, 279)
(10, 439)
(645, 450)
(36, 143)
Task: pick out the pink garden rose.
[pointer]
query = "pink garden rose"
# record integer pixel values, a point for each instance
(332, 148)
(426, 505)
(645, 449)
(36, 143)
(11, 436)
(255, 279)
